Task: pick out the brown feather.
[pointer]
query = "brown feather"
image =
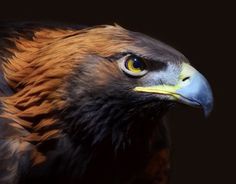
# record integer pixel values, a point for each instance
(36, 72)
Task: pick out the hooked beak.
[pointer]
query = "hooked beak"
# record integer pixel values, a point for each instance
(192, 89)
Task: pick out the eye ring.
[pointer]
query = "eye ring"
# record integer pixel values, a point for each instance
(133, 65)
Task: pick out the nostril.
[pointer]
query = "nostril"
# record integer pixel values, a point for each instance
(186, 78)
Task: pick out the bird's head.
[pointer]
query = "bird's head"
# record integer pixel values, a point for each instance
(103, 81)
(122, 76)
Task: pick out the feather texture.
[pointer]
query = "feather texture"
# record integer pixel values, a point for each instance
(67, 111)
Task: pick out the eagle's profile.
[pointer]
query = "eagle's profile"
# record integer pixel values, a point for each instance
(85, 105)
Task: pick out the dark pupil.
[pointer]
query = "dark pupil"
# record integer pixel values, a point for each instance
(137, 63)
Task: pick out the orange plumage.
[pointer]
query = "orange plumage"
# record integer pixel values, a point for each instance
(68, 112)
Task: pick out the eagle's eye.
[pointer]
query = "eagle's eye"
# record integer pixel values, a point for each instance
(133, 65)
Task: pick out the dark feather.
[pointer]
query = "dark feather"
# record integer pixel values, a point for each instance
(68, 113)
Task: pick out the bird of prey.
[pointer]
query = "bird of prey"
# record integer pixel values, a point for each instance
(83, 105)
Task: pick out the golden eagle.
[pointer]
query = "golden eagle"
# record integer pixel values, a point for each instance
(86, 104)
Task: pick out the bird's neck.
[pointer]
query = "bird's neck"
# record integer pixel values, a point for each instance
(110, 131)
(123, 123)
(120, 139)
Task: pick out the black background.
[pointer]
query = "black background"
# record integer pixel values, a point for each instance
(203, 149)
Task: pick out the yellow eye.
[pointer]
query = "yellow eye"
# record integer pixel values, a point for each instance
(135, 64)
